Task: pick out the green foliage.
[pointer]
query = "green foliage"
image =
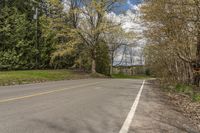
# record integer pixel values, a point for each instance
(181, 88)
(103, 59)
(83, 61)
(17, 44)
(39, 34)
(47, 41)
(196, 97)
(59, 62)
(18, 40)
(9, 60)
(147, 72)
(188, 90)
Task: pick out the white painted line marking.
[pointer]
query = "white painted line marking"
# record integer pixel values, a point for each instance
(131, 114)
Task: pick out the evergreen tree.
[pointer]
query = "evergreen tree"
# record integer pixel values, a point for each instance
(15, 39)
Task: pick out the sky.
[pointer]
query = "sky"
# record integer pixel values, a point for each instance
(127, 18)
(130, 22)
(131, 4)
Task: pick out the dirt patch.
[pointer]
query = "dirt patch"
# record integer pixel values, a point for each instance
(183, 104)
(156, 113)
(189, 108)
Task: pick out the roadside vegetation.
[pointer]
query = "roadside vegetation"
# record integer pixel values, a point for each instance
(40, 38)
(36, 76)
(124, 76)
(172, 52)
(59, 34)
(187, 90)
(187, 99)
(173, 48)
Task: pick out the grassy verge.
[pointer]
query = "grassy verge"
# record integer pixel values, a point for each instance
(35, 76)
(122, 76)
(187, 100)
(187, 90)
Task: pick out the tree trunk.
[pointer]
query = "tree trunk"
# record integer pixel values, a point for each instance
(93, 54)
(111, 63)
(198, 48)
(197, 66)
(190, 73)
(111, 69)
(93, 66)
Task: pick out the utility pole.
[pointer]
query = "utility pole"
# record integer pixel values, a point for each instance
(36, 34)
(126, 61)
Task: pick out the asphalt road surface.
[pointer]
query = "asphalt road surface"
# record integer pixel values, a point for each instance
(74, 106)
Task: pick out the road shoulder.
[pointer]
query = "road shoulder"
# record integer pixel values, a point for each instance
(155, 114)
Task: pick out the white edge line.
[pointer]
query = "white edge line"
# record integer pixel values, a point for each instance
(128, 121)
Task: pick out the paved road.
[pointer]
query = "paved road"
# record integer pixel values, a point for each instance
(89, 106)
(76, 106)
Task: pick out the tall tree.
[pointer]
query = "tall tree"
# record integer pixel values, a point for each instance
(89, 23)
(173, 38)
(14, 38)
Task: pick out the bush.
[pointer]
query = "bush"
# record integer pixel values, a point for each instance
(103, 60)
(196, 97)
(147, 72)
(188, 90)
(184, 89)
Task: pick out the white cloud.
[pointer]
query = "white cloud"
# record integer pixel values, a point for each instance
(130, 19)
(131, 22)
(66, 5)
(132, 6)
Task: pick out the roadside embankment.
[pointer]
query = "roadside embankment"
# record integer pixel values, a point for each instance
(37, 76)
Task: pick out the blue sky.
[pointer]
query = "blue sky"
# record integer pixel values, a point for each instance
(129, 23)
(134, 1)
(128, 5)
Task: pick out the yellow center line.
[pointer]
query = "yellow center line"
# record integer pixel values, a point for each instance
(45, 93)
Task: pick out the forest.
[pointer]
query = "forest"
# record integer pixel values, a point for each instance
(57, 34)
(173, 46)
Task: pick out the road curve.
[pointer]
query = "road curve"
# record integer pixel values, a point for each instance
(89, 106)
(76, 106)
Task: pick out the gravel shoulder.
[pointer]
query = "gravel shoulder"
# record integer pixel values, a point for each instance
(156, 113)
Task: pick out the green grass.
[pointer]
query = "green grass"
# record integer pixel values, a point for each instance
(196, 97)
(33, 76)
(122, 76)
(188, 90)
